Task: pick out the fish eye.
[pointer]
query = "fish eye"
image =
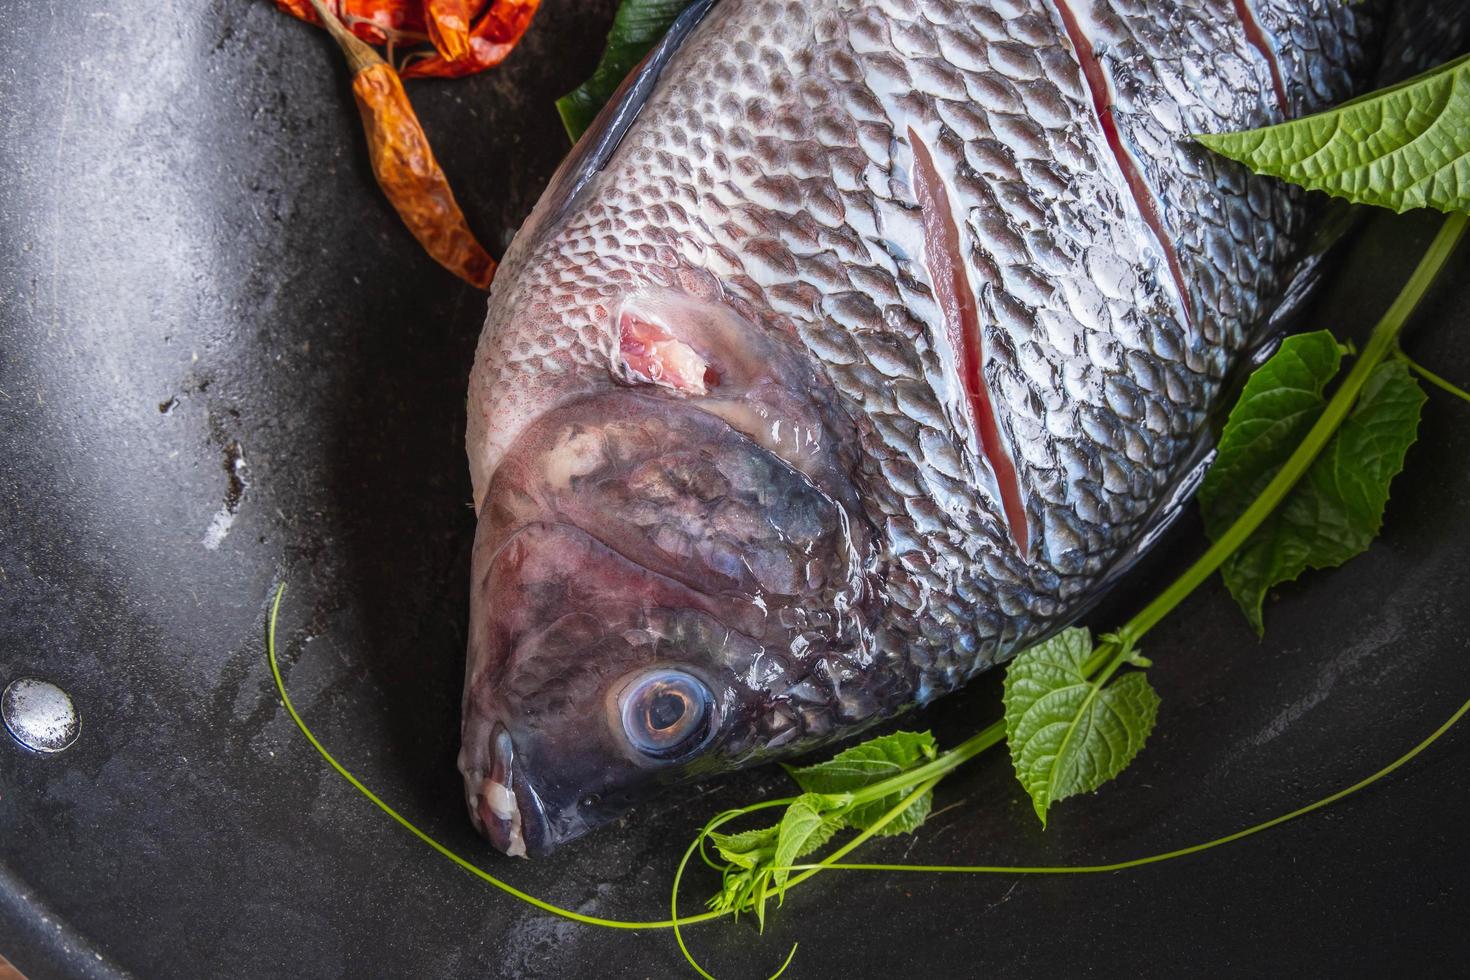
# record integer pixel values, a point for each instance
(666, 713)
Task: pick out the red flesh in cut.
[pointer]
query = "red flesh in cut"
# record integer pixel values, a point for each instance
(1256, 35)
(1143, 195)
(652, 354)
(944, 256)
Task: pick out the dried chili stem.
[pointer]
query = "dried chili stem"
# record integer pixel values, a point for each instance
(403, 161)
(360, 55)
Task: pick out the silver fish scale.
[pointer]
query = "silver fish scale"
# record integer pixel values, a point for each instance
(771, 167)
(1189, 67)
(548, 334)
(1317, 53)
(1065, 293)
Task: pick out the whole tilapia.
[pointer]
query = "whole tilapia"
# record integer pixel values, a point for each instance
(860, 345)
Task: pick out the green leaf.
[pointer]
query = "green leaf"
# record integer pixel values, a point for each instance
(805, 827)
(763, 856)
(751, 852)
(748, 848)
(872, 762)
(1336, 510)
(637, 27)
(1068, 734)
(1405, 147)
(1278, 405)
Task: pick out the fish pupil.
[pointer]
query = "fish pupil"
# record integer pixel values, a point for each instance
(665, 710)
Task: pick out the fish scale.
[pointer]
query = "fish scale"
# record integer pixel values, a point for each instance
(795, 164)
(795, 196)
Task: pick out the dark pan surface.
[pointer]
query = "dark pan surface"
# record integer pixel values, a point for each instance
(196, 269)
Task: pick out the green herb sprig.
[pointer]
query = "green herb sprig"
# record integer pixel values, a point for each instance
(636, 28)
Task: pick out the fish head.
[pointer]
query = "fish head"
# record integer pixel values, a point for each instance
(661, 586)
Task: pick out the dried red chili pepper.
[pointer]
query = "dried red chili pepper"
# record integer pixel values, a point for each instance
(494, 36)
(448, 22)
(373, 21)
(404, 163)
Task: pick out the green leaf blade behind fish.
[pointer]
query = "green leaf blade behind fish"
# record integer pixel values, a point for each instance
(1069, 733)
(1405, 147)
(1279, 403)
(637, 27)
(1336, 511)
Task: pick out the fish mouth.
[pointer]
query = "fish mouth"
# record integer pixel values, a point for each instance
(534, 778)
(504, 805)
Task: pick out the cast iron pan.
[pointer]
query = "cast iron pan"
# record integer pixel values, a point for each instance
(197, 269)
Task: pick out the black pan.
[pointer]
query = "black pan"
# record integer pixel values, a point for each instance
(197, 269)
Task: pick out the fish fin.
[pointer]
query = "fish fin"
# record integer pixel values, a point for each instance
(601, 140)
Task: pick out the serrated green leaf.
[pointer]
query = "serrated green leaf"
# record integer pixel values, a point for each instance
(747, 848)
(804, 828)
(1278, 405)
(872, 762)
(1066, 733)
(1405, 147)
(1336, 510)
(636, 28)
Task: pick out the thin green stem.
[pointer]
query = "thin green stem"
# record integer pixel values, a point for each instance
(704, 832)
(944, 763)
(1432, 378)
(676, 921)
(404, 822)
(1110, 655)
(671, 923)
(1380, 343)
(1166, 855)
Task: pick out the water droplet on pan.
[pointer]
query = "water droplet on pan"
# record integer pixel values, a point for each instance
(40, 715)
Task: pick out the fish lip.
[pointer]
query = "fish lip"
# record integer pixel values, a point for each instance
(505, 806)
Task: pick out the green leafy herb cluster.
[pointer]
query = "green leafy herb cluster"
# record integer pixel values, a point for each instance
(848, 791)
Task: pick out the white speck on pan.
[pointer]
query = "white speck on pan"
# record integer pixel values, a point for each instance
(218, 528)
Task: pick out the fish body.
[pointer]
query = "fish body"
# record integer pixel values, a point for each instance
(859, 346)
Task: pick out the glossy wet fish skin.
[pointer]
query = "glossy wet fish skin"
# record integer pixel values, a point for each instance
(563, 621)
(771, 174)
